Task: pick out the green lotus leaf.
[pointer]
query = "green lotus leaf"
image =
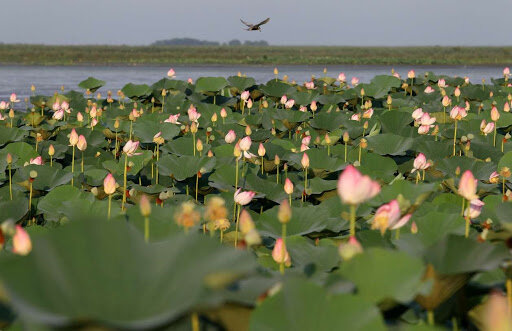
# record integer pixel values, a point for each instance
(241, 83)
(210, 84)
(91, 84)
(183, 167)
(134, 91)
(390, 144)
(13, 209)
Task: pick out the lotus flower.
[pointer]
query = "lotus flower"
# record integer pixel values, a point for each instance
(416, 114)
(494, 177)
(306, 140)
(223, 113)
(411, 74)
(288, 186)
(82, 143)
(261, 150)
(420, 163)
(355, 188)
(65, 106)
(486, 128)
(429, 90)
(495, 114)
(313, 106)
(13, 98)
(173, 119)
(130, 147)
(368, 113)
(249, 103)
(386, 215)
(21, 243)
(37, 161)
(342, 78)
(73, 138)
(506, 71)
(3, 105)
(193, 114)
(245, 95)
(230, 137)
(304, 161)
(171, 73)
(58, 115)
(446, 101)
(79, 117)
(303, 109)
(468, 186)
(458, 113)
(109, 184)
(456, 92)
(441, 83)
(243, 198)
(355, 117)
(354, 81)
(309, 85)
(280, 254)
(289, 104)
(284, 98)
(350, 249)
(474, 209)
(245, 144)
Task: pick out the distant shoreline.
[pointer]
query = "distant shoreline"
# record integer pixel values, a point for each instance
(102, 55)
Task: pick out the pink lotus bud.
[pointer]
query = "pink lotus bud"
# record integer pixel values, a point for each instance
(243, 198)
(306, 140)
(284, 214)
(82, 143)
(230, 137)
(130, 147)
(109, 184)
(13, 98)
(288, 186)
(355, 117)
(73, 138)
(303, 109)
(495, 114)
(446, 101)
(58, 115)
(468, 186)
(350, 249)
(304, 161)
(144, 206)
(474, 209)
(506, 71)
(342, 78)
(354, 81)
(94, 122)
(354, 188)
(249, 103)
(280, 254)
(261, 150)
(456, 92)
(411, 74)
(313, 106)
(289, 104)
(284, 99)
(245, 144)
(21, 243)
(506, 107)
(223, 113)
(245, 95)
(309, 85)
(171, 73)
(429, 90)
(65, 106)
(386, 215)
(79, 117)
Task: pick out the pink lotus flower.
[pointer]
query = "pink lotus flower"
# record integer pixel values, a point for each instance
(306, 140)
(411, 74)
(3, 105)
(2, 117)
(303, 109)
(304, 161)
(245, 143)
(65, 107)
(416, 114)
(401, 222)
(135, 113)
(190, 81)
(94, 122)
(446, 101)
(243, 198)
(230, 137)
(37, 161)
(354, 188)
(284, 98)
(173, 119)
(458, 113)
(82, 143)
(73, 138)
(288, 186)
(56, 106)
(289, 104)
(245, 95)
(342, 78)
(495, 114)
(109, 184)
(171, 73)
(420, 163)
(223, 113)
(494, 177)
(423, 129)
(309, 85)
(130, 147)
(474, 209)
(354, 81)
(13, 98)
(280, 254)
(468, 186)
(456, 92)
(506, 71)
(355, 117)
(193, 114)
(441, 83)
(466, 80)
(21, 243)
(79, 117)
(397, 75)
(386, 215)
(368, 113)
(58, 115)
(313, 106)
(350, 249)
(303, 148)
(261, 150)
(249, 103)
(426, 119)
(486, 128)
(429, 90)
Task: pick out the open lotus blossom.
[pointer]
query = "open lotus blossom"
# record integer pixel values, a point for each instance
(245, 95)
(368, 113)
(306, 140)
(190, 80)
(288, 186)
(446, 101)
(426, 122)
(37, 161)
(58, 115)
(171, 73)
(303, 109)
(173, 119)
(135, 113)
(82, 143)
(495, 114)
(429, 90)
(309, 85)
(289, 104)
(486, 128)
(411, 74)
(397, 75)
(468, 186)
(417, 113)
(420, 163)
(65, 106)
(284, 98)
(494, 178)
(342, 78)
(56, 106)
(158, 139)
(245, 143)
(441, 83)
(350, 249)
(243, 198)
(193, 114)
(401, 222)
(21, 243)
(109, 184)
(386, 215)
(354, 81)
(94, 122)
(280, 254)
(2, 117)
(474, 209)
(4, 105)
(130, 147)
(355, 188)
(230, 137)
(355, 117)
(14, 98)
(457, 113)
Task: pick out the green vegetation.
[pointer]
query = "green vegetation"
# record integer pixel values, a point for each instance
(273, 55)
(223, 204)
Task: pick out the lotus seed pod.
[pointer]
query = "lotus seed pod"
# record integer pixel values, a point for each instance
(33, 174)
(364, 143)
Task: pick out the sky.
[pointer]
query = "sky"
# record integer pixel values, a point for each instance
(293, 22)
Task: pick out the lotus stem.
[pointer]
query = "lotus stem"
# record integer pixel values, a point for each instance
(262, 165)
(283, 249)
(124, 180)
(345, 152)
(194, 143)
(494, 138)
(146, 229)
(82, 163)
(236, 174)
(131, 126)
(444, 114)
(328, 150)
(197, 184)
(468, 222)
(455, 137)
(109, 205)
(463, 205)
(417, 177)
(290, 199)
(236, 224)
(430, 317)
(423, 175)
(51, 161)
(277, 174)
(503, 186)
(10, 180)
(115, 147)
(305, 182)
(353, 220)
(221, 235)
(30, 196)
(195, 322)
(412, 84)
(397, 234)
(157, 158)
(509, 295)
(73, 166)
(360, 148)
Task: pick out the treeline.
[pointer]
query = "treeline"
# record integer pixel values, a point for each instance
(197, 42)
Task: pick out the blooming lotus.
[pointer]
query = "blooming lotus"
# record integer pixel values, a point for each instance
(243, 198)
(245, 143)
(386, 215)
(457, 113)
(303, 109)
(494, 177)
(416, 114)
(173, 119)
(3, 105)
(171, 73)
(420, 163)
(13, 98)
(245, 95)
(411, 74)
(193, 114)
(429, 90)
(309, 85)
(368, 113)
(474, 209)
(354, 81)
(130, 147)
(58, 115)
(441, 83)
(284, 98)
(37, 161)
(355, 188)
(289, 104)
(355, 117)
(342, 78)
(486, 128)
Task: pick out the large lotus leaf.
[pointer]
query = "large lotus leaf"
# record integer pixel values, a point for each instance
(51, 204)
(386, 82)
(183, 167)
(134, 91)
(183, 146)
(389, 144)
(137, 163)
(210, 84)
(303, 98)
(331, 99)
(241, 83)
(433, 150)
(396, 122)
(146, 128)
(169, 84)
(303, 306)
(13, 209)
(375, 165)
(47, 177)
(318, 160)
(328, 121)
(277, 89)
(304, 220)
(480, 169)
(310, 258)
(161, 222)
(95, 177)
(272, 190)
(456, 255)
(505, 161)
(381, 274)
(11, 135)
(90, 268)
(91, 84)
(289, 115)
(223, 178)
(22, 150)
(407, 189)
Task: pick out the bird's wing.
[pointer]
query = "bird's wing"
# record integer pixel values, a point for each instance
(263, 22)
(249, 25)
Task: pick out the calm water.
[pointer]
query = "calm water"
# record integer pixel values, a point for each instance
(49, 79)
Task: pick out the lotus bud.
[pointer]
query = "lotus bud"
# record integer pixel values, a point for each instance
(468, 186)
(193, 127)
(276, 72)
(109, 184)
(494, 178)
(94, 191)
(9, 158)
(362, 92)
(363, 143)
(273, 131)
(223, 113)
(73, 138)
(414, 228)
(495, 114)
(249, 103)
(456, 92)
(216, 209)
(246, 222)
(82, 143)
(199, 145)
(284, 214)
(355, 188)
(245, 144)
(261, 150)
(264, 104)
(284, 99)
(288, 186)
(350, 249)
(230, 137)
(327, 139)
(214, 117)
(280, 254)
(248, 130)
(237, 152)
(304, 161)
(243, 198)
(277, 161)
(389, 100)
(365, 125)
(446, 101)
(346, 137)
(164, 92)
(79, 117)
(145, 206)
(21, 243)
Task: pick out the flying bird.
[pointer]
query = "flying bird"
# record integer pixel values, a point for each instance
(254, 27)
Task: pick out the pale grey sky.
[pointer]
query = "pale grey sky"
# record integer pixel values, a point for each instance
(293, 22)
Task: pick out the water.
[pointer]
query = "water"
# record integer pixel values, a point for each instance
(49, 79)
